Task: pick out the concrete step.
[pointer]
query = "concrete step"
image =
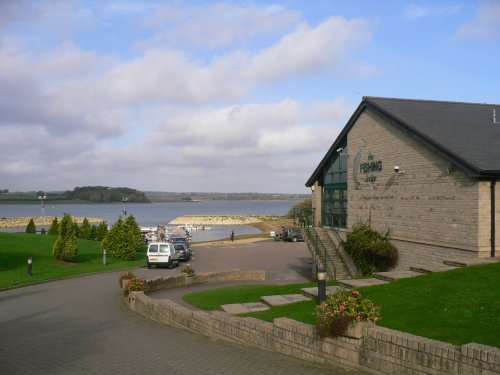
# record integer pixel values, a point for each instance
(395, 275)
(286, 299)
(358, 283)
(433, 268)
(470, 262)
(313, 291)
(242, 308)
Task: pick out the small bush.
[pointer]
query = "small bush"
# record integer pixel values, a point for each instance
(370, 250)
(383, 255)
(126, 276)
(31, 228)
(188, 270)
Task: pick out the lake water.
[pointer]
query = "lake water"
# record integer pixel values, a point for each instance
(152, 214)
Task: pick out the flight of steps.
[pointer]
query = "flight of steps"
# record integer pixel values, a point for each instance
(342, 271)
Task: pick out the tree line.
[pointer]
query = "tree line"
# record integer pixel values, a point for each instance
(105, 194)
(122, 241)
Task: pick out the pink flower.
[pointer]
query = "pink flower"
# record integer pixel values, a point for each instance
(355, 292)
(342, 308)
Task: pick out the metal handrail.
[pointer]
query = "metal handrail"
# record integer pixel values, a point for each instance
(320, 251)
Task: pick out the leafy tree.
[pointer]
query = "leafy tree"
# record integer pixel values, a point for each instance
(31, 228)
(101, 231)
(54, 227)
(65, 247)
(85, 231)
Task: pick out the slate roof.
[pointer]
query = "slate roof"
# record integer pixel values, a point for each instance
(464, 133)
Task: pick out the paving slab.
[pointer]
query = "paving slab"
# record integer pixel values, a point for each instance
(286, 299)
(313, 291)
(242, 308)
(470, 262)
(358, 283)
(396, 275)
(432, 268)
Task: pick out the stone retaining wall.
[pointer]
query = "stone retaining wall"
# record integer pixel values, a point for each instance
(380, 351)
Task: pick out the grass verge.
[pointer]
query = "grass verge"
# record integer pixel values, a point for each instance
(15, 248)
(459, 306)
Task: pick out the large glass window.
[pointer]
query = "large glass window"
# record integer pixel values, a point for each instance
(335, 191)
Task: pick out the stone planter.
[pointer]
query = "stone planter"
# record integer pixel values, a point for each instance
(355, 329)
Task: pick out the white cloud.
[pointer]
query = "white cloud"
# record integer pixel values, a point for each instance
(414, 11)
(485, 25)
(309, 50)
(216, 25)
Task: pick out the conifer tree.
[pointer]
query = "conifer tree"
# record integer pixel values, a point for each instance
(134, 236)
(31, 228)
(54, 227)
(101, 231)
(65, 247)
(121, 241)
(85, 230)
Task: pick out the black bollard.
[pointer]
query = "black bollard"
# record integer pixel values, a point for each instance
(30, 264)
(321, 284)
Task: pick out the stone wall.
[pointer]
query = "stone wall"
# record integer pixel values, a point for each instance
(381, 351)
(432, 209)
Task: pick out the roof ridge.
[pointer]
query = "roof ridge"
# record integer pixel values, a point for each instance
(430, 101)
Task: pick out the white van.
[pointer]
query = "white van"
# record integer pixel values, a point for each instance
(161, 253)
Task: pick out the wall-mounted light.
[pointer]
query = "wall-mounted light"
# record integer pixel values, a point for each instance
(313, 188)
(340, 149)
(450, 169)
(398, 170)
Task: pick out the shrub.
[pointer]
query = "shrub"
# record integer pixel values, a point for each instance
(188, 270)
(54, 227)
(31, 228)
(101, 231)
(383, 255)
(124, 239)
(126, 276)
(341, 309)
(85, 231)
(65, 247)
(360, 245)
(135, 285)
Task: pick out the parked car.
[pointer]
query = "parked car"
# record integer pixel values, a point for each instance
(291, 234)
(183, 251)
(178, 240)
(162, 253)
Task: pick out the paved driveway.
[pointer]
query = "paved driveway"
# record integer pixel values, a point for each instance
(80, 326)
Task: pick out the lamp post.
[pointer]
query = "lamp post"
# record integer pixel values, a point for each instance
(30, 265)
(42, 206)
(321, 284)
(124, 200)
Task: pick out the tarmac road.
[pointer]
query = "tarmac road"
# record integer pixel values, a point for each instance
(81, 326)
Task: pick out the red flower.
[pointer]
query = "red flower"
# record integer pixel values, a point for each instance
(355, 292)
(342, 308)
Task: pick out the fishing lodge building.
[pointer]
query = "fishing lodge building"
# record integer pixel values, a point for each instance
(425, 170)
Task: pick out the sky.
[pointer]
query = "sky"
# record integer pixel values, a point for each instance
(209, 96)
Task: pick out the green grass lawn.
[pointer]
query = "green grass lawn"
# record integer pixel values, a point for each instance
(459, 306)
(15, 248)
